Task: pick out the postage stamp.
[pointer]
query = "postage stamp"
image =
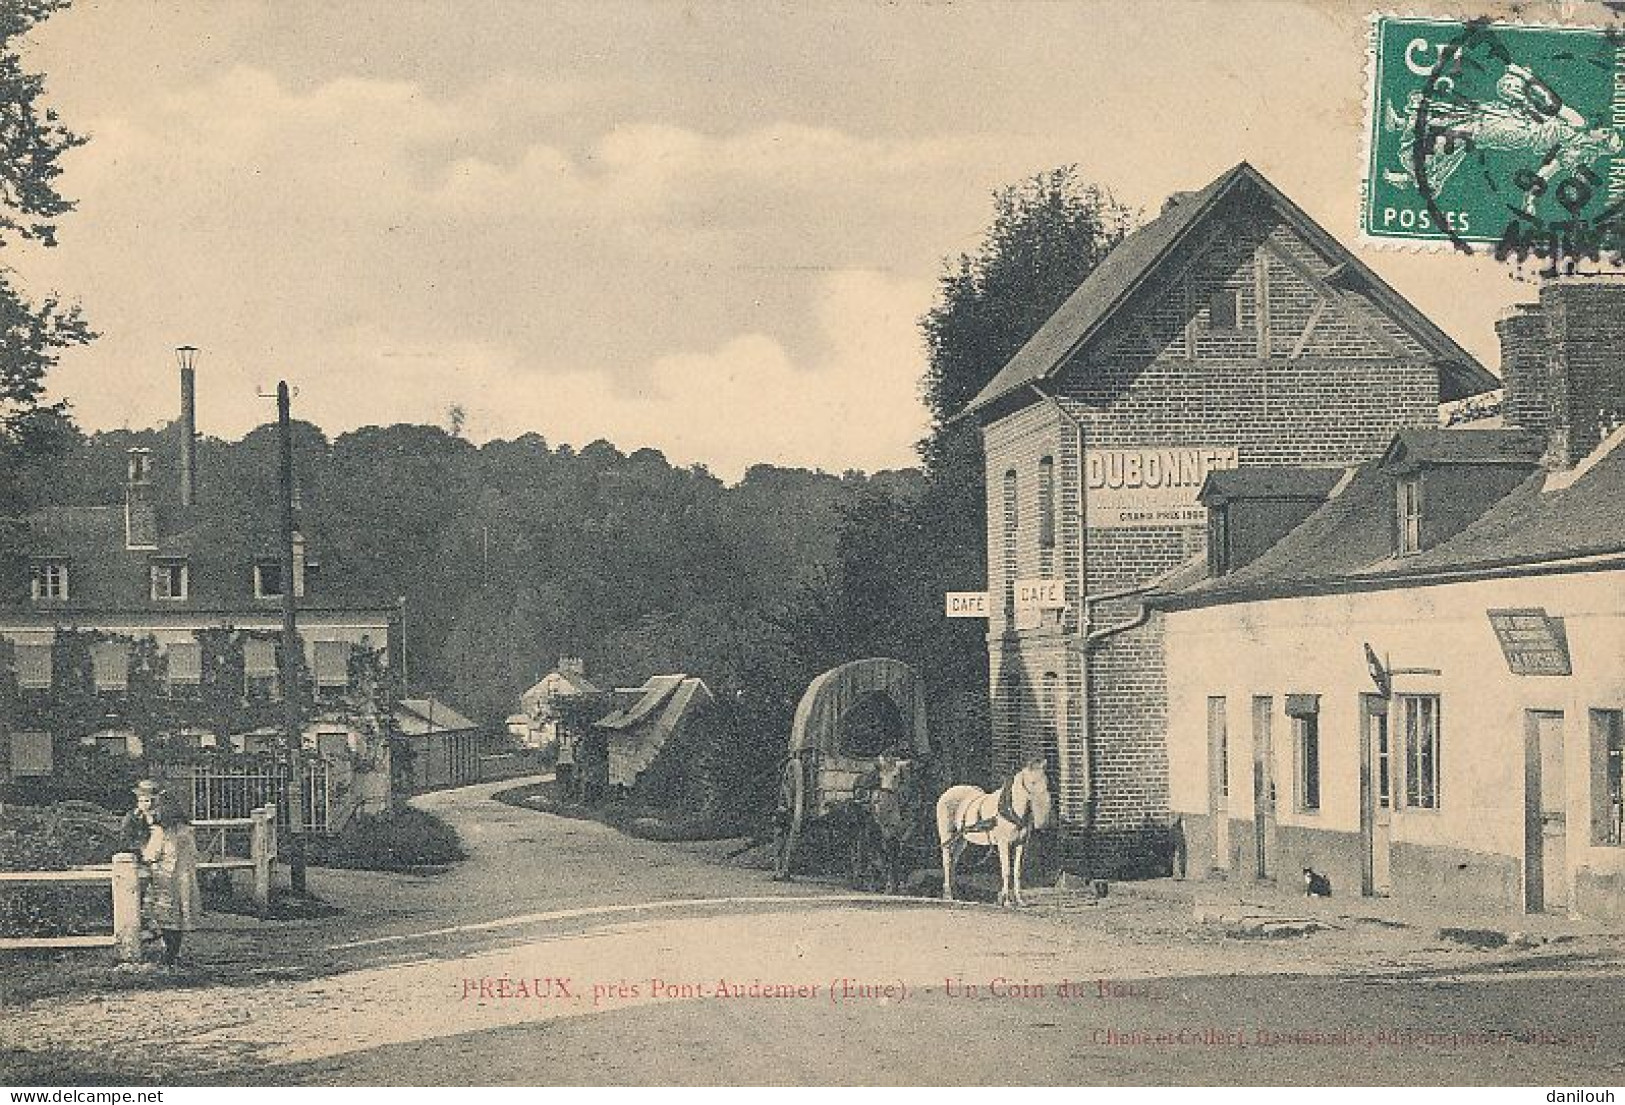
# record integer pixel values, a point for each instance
(1505, 136)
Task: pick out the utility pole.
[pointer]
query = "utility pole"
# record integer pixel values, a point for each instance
(293, 734)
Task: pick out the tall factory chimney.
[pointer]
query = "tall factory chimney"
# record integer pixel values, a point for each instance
(187, 356)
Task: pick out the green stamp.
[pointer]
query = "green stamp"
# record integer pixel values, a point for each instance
(1509, 136)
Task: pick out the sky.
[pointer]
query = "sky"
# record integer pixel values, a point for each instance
(706, 228)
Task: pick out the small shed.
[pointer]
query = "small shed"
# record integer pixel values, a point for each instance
(445, 745)
(656, 741)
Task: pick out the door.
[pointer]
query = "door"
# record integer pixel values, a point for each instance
(1218, 781)
(1376, 794)
(1263, 788)
(1546, 875)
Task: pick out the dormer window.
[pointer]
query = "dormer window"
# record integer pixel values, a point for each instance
(1408, 514)
(49, 580)
(268, 580)
(170, 580)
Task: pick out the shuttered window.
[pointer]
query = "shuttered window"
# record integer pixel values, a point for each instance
(33, 666)
(332, 665)
(185, 663)
(110, 661)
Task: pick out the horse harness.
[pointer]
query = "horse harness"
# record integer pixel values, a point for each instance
(1007, 812)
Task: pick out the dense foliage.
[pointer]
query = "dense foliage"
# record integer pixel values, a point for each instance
(898, 556)
(33, 330)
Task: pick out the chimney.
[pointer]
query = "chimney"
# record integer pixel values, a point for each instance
(1585, 334)
(572, 665)
(187, 356)
(1563, 361)
(140, 512)
(1527, 401)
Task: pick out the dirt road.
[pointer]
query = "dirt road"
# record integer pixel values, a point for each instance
(562, 952)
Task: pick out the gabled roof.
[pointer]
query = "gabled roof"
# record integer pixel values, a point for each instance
(654, 694)
(1137, 257)
(1270, 481)
(1464, 445)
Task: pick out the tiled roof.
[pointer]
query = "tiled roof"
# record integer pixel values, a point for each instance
(1136, 258)
(1543, 520)
(1347, 543)
(1464, 445)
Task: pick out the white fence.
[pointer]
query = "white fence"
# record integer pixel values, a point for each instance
(234, 791)
(124, 876)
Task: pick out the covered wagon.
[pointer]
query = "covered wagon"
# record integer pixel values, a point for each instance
(849, 717)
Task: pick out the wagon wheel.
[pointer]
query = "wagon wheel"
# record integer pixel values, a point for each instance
(791, 816)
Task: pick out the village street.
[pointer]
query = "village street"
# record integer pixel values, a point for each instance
(564, 952)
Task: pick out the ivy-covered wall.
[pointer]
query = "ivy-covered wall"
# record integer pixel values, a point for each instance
(223, 702)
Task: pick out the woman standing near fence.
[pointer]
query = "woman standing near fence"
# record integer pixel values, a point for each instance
(173, 898)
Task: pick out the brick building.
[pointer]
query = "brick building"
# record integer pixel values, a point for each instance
(1230, 332)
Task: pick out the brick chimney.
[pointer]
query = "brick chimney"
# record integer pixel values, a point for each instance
(140, 512)
(572, 665)
(1563, 364)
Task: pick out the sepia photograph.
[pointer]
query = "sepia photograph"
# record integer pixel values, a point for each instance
(813, 543)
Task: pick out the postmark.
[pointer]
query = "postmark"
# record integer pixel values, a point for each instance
(1499, 138)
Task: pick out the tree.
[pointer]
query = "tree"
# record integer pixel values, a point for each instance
(32, 332)
(895, 561)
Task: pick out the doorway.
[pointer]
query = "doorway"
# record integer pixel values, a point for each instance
(1545, 814)
(1218, 781)
(1376, 795)
(1263, 788)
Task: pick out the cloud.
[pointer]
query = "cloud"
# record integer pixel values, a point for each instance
(746, 401)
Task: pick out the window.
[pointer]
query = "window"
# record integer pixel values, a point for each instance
(32, 755)
(33, 665)
(332, 665)
(50, 580)
(1218, 540)
(259, 668)
(1419, 717)
(185, 665)
(1408, 519)
(1607, 781)
(1046, 503)
(1055, 702)
(268, 580)
(1010, 520)
(1013, 716)
(110, 664)
(1304, 710)
(169, 580)
(1224, 309)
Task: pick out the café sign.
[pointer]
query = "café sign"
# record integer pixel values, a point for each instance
(1533, 642)
(1040, 594)
(966, 604)
(1150, 485)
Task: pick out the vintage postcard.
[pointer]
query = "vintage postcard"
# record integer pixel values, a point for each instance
(823, 543)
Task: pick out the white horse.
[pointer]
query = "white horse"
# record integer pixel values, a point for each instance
(1003, 820)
